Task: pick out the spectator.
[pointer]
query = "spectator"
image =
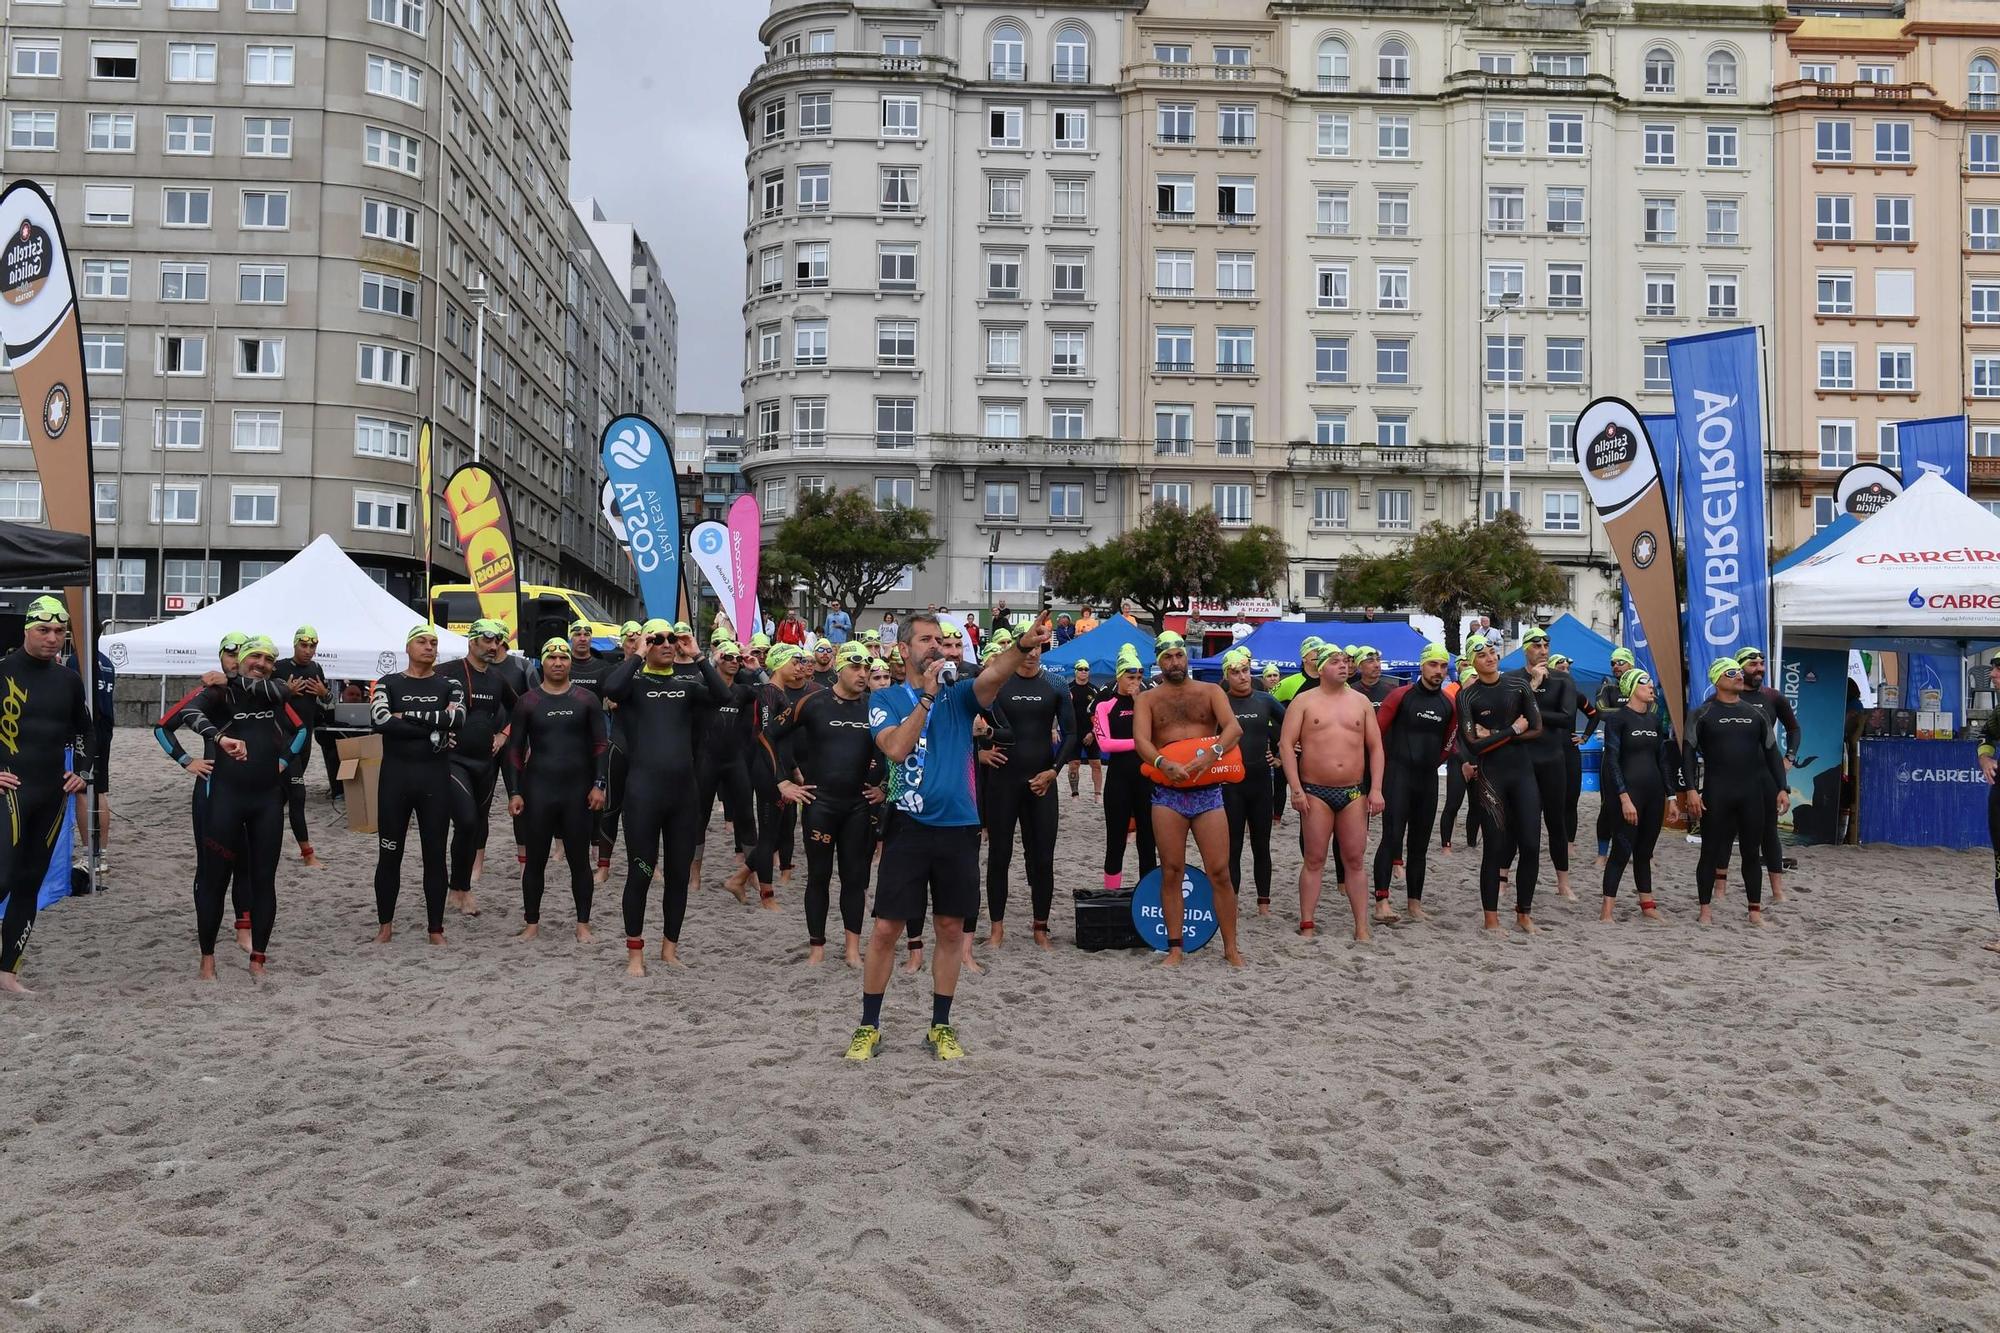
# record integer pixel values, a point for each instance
(887, 630)
(839, 626)
(1087, 621)
(1065, 631)
(792, 629)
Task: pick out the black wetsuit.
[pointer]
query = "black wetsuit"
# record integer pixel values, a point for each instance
(777, 819)
(557, 753)
(1033, 711)
(1510, 806)
(1640, 761)
(1779, 713)
(43, 710)
(311, 712)
(828, 740)
(1080, 697)
(182, 715)
(1609, 700)
(490, 697)
(726, 737)
(245, 815)
(1248, 804)
(1418, 726)
(1733, 747)
(1128, 793)
(661, 818)
(592, 672)
(1559, 701)
(416, 717)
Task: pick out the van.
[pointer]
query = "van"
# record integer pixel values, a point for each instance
(546, 613)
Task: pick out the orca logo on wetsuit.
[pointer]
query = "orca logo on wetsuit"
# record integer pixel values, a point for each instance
(836, 722)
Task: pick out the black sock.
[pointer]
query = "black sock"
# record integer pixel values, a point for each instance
(940, 1009)
(871, 1010)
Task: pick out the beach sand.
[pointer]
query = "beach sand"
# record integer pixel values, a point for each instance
(1624, 1127)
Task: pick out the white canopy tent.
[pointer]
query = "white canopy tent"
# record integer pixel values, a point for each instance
(361, 627)
(1922, 575)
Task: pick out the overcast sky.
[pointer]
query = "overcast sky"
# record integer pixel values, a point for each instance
(655, 137)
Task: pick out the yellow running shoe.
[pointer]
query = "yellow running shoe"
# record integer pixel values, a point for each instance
(866, 1039)
(943, 1039)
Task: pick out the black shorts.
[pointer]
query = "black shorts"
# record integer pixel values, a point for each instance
(921, 859)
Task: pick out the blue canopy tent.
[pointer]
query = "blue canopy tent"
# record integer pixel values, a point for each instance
(1588, 651)
(1819, 541)
(1278, 641)
(1101, 647)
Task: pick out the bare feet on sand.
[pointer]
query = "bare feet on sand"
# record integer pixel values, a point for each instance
(243, 938)
(531, 931)
(1414, 909)
(1385, 913)
(670, 954)
(1263, 907)
(583, 935)
(1042, 936)
(815, 955)
(382, 935)
(1173, 958)
(1490, 921)
(208, 967)
(1526, 924)
(738, 883)
(1233, 956)
(996, 936)
(853, 949)
(437, 939)
(635, 959)
(257, 968)
(767, 898)
(1758, 919)
(1563, 889)
(1991, 946)
(1361, 935)
(915, 961)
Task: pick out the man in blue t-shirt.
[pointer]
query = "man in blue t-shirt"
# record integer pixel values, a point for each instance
(839, 627)
(930, 848)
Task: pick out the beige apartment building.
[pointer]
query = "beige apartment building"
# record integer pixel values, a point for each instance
(1888, 135)
(1349, 268)
(285, 217)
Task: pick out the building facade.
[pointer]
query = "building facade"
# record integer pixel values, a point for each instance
(716, 440)
(1343, 269)
(1889, 286)
(287, 217)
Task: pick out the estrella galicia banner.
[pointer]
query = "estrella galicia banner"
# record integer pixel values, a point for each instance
(1622, 474)
(640, 466)
(1719, 405)
(484, 526)
(1666, 451)
(40, 329)
(1934, 444)
(1814, 682)
(1865, 489)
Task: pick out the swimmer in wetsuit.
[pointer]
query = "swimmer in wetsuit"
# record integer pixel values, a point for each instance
(557, 758)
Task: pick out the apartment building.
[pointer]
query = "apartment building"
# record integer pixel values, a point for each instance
(716, 439)
(1351, 268)
(1888, 131)
(287, 216)
(606, 353)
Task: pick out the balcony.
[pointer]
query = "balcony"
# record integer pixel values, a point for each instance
(1173, 367)
(1852, 92)
(1236, 219)
(1984, 469)
(1173, 215)
(1173, 292)
(1006, 71)
(1535, 84)
(1064, 371)
(1233, 73)
(988, 449)
(1236, 368)
(853, 62)
(1074, 71)
(1398, 457)
(1239, 140)
(1333, 83)
(1175, 139)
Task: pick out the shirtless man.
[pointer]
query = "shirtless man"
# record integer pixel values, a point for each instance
(1179, 709)
(1329, 746)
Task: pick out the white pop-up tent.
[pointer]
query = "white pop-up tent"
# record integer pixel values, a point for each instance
(361, 627)
(1922, 575)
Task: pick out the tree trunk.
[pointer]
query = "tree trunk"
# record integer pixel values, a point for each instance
(1451, 615)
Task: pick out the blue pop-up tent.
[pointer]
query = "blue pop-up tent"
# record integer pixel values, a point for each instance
(1278, 641)
(1101, 647)
(1588, 651)
(1819, 541)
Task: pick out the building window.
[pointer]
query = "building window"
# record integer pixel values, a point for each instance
(1068, 276)
(190, 62)
(405, 14)
(815, 114)
(809, 342)
(190, 578)
(808, 423)
(1986, 377)
(1393, 510)
(181, 428)
(1231, 501)
(393, 78)
(1660, 145)
(1565, 286)
(183, 281)
(107, 279)
(1236, 125)
(1662, 220)
(1173, 429)
(1561, 439)
(1662, 294)
(267, 65)
(1833, 217)
(899, 189)
(381, 511)
(182, 354)
(1982, 227)
(1004, 127)
(1565, 134)
(1722, 296)
(1072, 128)
(1892, 218)
(1392, 430)
(21, 501)
(112, 131)
(1235, 274)
(1562, 511)
(1331, 215)
(193, 135)
(1236, 199)
(253, 506)
(899, 117)
(1489, 504)
(260, 358)
(1173, 495)
(895, 342)
(1236, 351)
(1067, 353)
(774, 120)
(1173, 351)
(392, 367)
(104, 353)
(1836, 368)
(1392, 360)
(1896, 369)
(1007, 54)
(1836, 444)
(1986, 302)
(175, 504)
(1329, 360)
(385, 295)
(777, 495)
(1392, 287)
(1320, 584)
(1565, 210)
(1986, 441)
(1330, 508)
(1066, 503)
(390, 150)
(1982, 152)
(1334, 134)
(1010, 579)
(1506, 437)
(1333, 66)
(384, 221)
(1836, 293)
(1505, 285)
(104, 503)
(896, 267)
(1003, 421)
(114, 60)
(1003, 275)
(770, 421)
(1003, 500)
(1723, 226)
(1722, 146)
(812, 262)
(1659, 70)
(1392, 212)
(1653, 363)
(1392, 67)
(1069, 200)
(1565, 360)
(1833, 141)
(1235, 432)
(1003, 351)
(1506, 208)
(1505, 357)
(37, 59)
(895, 493)
(1892, 141)
(1072, 56)
(267, 210)
(771, 195)
(1329, 427)
(185, 208)
(895, 423)
(815, 189)
(1392, 137)
(1507, 132)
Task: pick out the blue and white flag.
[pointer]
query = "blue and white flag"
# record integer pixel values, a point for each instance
(1719, 410)
(640, 468)
(1935, 444)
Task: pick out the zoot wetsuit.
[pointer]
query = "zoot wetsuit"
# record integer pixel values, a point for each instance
(1741, 775)
(43, 710)
(489, 702)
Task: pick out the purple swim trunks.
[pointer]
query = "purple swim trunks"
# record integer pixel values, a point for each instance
(1187, 802)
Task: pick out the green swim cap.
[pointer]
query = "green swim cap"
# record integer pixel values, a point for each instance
(260, 643)
(1433, 652)
(233, 641)
(781, 654)
(1749, 654)
(486, 628)
(1235, 657)
(1558, 658)
(1631, 680)
(760, 640)
(627, 629)
(555, 648)
(657, 626)
(1168, 642)
(1128, 658)
(851, 654)
(728, 648)
(682, 628)
(1272, 669)
(1721, 667)
(417, 631)
(1308, 644)
(1622, 655)
(1368, 651)
(305, 634)
(1083, 664)
(822, 646)
(577, 627)
(1475, 645)
(47, 611)
(1535, 635)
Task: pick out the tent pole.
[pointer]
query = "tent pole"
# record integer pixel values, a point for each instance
(86, 661)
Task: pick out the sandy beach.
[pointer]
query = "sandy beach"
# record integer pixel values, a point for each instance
(1623, 1127)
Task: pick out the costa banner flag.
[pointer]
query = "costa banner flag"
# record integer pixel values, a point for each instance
(44, 345)
(1719, 406)
(710, 545)
(428, 530)
(1622, 473)
(484, 525)
(647, 495)
(746, 537)
(1935, 444)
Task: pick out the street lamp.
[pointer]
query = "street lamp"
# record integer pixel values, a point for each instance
(480, 300)
(992, 549)
(1504, 311)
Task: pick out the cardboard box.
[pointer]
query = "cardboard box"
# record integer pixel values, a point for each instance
(360, 776)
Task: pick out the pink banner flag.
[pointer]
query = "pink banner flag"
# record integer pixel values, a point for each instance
(745, 535)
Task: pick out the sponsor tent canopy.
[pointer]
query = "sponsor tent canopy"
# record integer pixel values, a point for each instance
(1922, 575)
(1101, 646)
(1588, 651)
(1278, 641)
(361, 627)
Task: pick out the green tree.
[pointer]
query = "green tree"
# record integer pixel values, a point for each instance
(845, 551)
(1448, 570)
(1171, 559)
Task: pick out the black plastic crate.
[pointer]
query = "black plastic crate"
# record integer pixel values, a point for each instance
(1104, 921)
